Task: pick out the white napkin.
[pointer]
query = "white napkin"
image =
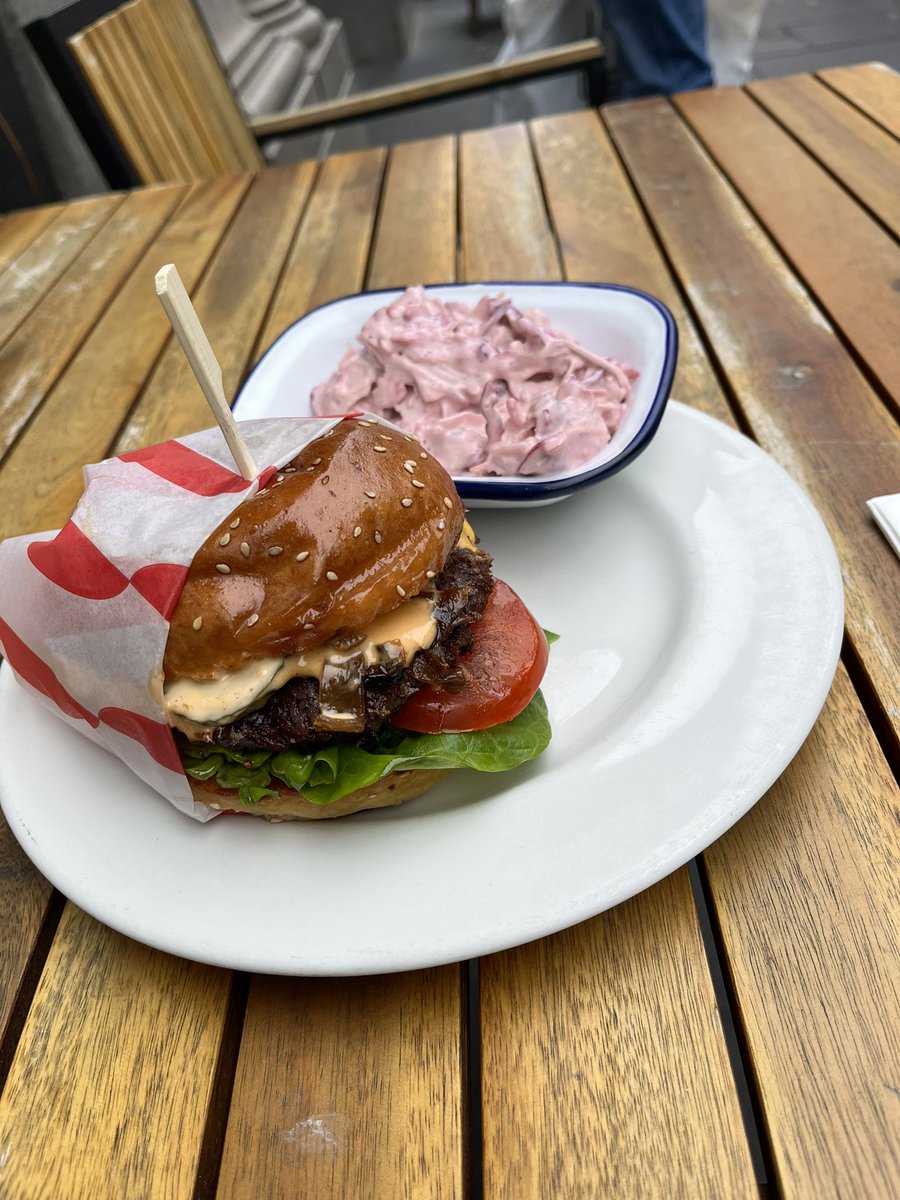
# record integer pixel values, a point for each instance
(886, 511)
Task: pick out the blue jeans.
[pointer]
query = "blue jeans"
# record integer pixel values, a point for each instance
(659, 46)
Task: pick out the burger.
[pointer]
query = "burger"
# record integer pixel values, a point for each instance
(340, 642)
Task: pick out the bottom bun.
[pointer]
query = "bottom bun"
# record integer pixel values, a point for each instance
(289, 805)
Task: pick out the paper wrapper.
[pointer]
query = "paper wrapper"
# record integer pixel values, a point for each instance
(84, 611)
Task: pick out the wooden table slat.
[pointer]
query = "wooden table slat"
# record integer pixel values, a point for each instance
(348, 1087)
(605, 1069)
(41, 348)
(617, 247)
(416, 236)
(24, 899)
(19, 229)
(329, 255)
(872, 87)
(42, 478)
(230, 300)
(806, 889)
(846, 259)
(802, 395)
(349, 1113)
(45, 259)
(859, 153)
(523, 1094)
(133, 1037)
(503, 221)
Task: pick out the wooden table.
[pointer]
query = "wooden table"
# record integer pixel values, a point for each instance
(731, 1031)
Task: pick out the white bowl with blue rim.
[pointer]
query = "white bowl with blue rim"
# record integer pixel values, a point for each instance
(615, 321)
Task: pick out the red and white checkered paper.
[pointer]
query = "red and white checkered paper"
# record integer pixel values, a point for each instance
(84, 611)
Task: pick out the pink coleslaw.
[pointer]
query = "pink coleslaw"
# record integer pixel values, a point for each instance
(488, 390)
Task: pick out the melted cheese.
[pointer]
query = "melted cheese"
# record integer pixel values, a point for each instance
(193, 705)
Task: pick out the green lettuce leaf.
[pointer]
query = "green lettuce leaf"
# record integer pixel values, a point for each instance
(326, 775)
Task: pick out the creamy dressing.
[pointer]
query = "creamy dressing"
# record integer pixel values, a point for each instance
(486, 389)
(193, 704)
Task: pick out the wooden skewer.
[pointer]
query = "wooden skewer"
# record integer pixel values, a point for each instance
(204, 363)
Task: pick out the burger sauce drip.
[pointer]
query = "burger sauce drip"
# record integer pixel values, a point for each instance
(342, 705)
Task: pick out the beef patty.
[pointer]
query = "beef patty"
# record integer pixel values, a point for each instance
(287, 718)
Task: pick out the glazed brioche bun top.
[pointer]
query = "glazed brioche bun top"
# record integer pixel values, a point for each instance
(339, 536)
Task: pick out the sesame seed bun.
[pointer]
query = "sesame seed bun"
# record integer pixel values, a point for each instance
(289, 805)
(341, 534)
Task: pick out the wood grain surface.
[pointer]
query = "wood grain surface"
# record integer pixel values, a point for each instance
(34, 357)
(42, 478)
(797, 388)
(360, 1079)
(504, 233)
(231, 301)
(872, 87)
(131, 1036)
(416, 237)
(605, 1070)
(846, 259)
(348, 1087)
(604, 237)
(855, 150)
(46, 258)
(559, 1039)
(24, 899)
(329, 255)
(806, 888)
(19, 229)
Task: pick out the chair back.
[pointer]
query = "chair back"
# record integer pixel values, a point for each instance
(159, 84)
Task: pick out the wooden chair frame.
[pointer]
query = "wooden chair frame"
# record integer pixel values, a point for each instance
(50, 37)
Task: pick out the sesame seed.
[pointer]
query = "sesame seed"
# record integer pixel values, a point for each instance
(316, 461)
(442, 524)
(331, 575)
(253, 618)
(367, 422)
(308, 469)
(448, 503)
(302, 556)
(224, 539)
(371, 495)
(309, 625)
(380, 449)
(280, 478)
(400, 591)
(377, 537)
(223, 568)
(357, 531)
(423, 455)
(275, 550)
(290, 470)
(245, 549)
(235, 522)
(197, 622)
(387, 437)
(418, 483)
(409, 466)
(429, 574)
(406, 502)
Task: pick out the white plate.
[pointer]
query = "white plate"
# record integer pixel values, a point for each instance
(618, 322)
(699, 603)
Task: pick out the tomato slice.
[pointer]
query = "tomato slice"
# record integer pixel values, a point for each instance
(502, 672)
